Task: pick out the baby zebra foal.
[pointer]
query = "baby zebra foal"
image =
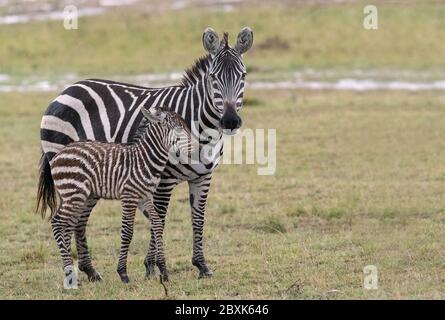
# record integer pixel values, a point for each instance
(90, 170)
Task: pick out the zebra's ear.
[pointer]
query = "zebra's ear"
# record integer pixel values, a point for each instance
(210, 41)
(244, 41)
(154, 114)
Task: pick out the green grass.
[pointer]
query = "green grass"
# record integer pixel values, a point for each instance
(286, 38)
(360, 181)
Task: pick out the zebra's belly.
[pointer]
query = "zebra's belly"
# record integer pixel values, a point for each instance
(187, 172)
(201, 164)
(106, 193)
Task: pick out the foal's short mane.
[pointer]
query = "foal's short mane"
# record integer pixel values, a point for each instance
(145, 123)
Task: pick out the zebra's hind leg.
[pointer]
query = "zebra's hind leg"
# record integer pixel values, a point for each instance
(157, 227)
(63, 224)
(85, 264)
(129, 206)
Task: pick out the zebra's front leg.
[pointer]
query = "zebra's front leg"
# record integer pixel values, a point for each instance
(85, 264)
(161, 199)
(150, 259)
(198, 196)
(129, 206)
(157, 227)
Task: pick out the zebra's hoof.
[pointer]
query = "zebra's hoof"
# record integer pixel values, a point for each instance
(92, 274)
(204, 271)
(162, 270)
(205, 274)
(124, 278)
(96, 277)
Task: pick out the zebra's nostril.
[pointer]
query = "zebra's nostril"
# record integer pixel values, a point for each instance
(232, 122)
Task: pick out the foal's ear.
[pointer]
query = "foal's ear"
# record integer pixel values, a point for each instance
(154, 114)
(210, 41)
(244, 41)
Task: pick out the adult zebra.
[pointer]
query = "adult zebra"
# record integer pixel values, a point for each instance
(208, 99)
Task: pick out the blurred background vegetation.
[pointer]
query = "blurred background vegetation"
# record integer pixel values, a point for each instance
(154, 36)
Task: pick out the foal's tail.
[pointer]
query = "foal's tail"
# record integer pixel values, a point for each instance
(46, 193)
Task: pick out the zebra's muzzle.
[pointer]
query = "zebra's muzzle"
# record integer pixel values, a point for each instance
(230, 121)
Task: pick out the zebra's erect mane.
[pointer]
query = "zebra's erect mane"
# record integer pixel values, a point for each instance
(194, 74)
(191, 77)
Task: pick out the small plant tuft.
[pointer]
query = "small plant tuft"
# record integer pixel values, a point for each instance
(34, 255)
(272, 225)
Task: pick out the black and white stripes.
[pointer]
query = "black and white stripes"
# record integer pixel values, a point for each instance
(208, 99)
(86, 171)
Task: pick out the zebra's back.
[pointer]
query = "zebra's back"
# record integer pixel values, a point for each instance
(90, 169)
(92, 109)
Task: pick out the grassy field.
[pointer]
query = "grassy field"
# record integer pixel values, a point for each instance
(286, 38)
(360, 181)
(360, 176)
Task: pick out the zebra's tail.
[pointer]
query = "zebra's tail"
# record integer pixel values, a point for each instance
(46, 193)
